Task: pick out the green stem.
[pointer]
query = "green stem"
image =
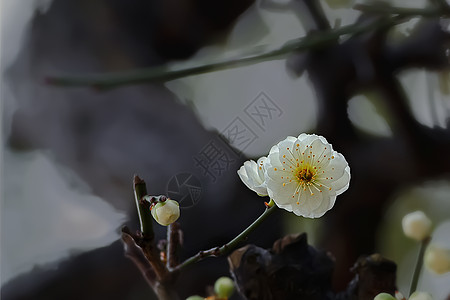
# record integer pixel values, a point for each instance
(231, 245)
(143, 208)
(160, 74)
(419, 263)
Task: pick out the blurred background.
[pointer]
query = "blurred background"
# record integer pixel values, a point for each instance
(69, 154)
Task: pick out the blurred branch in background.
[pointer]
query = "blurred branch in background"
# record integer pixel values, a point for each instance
(390, 16)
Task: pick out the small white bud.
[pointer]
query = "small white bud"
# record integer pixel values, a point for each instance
(195, 297)
(416, 225)
(420, 296)
(437, 259)
(384, 296)
(167, 212)
(252, 175)
(224, 287)
(399, 296)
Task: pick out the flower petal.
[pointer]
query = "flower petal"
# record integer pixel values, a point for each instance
(244, 177)
(309, 138)
(327, 204)
(336, 174)
(253, 177)
(303, 208)
(342, 184)
(312, 199)
(261, 170)
(282, 192)
(251, 168)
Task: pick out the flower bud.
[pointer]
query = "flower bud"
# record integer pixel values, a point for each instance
(252, 175)
(224, 287)
(437, 259)
(420, 296)
(399, 296)
(384, 296)
(416, 225)
(195, 297)
(165, 213)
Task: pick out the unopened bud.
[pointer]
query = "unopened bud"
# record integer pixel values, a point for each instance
(437, 259)
(196, 297)
(167, 212)
(384, 296)
(420, 296)
(416, 225)
(399, 296)
(224, 287)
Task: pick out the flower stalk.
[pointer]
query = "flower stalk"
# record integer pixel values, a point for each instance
(415, 279)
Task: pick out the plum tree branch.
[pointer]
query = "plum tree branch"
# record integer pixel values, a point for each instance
(161, 74)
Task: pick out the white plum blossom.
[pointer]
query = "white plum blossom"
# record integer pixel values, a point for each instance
(224, 287)
(167, 212)
(416, 225)
(384, 296)
(420, 296)
(437, 259)
(399, 296)
(304, 175)
(252, 174)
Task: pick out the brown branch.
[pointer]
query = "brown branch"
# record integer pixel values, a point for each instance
(135, 253)
(141, 248)
(173, 244)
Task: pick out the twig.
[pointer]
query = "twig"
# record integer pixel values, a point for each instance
(317, 14)
(403, 11)
(134, 252)
(173, 244)
(143, 208)
(147, 242)
(219, 251)
(143, 244)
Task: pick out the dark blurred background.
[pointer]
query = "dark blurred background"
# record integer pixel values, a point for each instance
(69, 154)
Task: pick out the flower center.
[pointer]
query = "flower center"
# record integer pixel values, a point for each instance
(304, 175)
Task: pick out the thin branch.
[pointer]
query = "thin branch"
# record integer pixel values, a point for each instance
(173, 244)
(134, 252)
(231, 245)
(441, 11)
(146, 242)
(316, 13)
(143, 208)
